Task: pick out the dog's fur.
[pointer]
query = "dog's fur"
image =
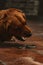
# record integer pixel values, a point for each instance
(13, 23)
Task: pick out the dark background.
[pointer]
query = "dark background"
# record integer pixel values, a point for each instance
(27, 6)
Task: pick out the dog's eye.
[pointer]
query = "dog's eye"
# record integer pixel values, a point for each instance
(18, 29)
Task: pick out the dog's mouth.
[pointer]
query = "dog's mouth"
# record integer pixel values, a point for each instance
(24, 38)
(21, 38)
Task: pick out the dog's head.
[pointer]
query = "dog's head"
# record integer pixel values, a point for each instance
(18, 24)
(14, 23)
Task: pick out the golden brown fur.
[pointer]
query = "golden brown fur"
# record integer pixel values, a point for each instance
(12, 22)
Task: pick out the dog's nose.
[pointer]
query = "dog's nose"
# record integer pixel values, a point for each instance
(28, 34)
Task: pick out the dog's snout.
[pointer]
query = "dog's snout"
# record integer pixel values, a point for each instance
(28, 34)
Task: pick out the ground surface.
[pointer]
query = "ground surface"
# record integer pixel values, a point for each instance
(9, 56)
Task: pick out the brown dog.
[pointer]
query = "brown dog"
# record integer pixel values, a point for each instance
(13, 23)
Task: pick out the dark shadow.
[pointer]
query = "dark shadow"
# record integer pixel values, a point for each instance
(10, 44)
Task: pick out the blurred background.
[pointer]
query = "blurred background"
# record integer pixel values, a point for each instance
(32, 8)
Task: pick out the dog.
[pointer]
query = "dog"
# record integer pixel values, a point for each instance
(13, 22)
